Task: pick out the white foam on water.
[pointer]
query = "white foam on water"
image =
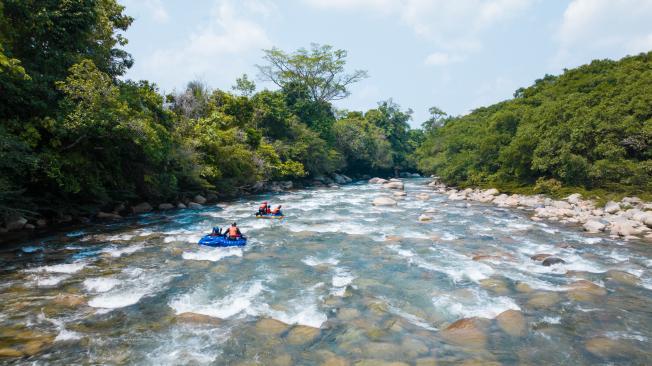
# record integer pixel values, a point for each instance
(67, 335)
(120, 237)
(626, 335)
(456, 266)
(303, 313)
(189, 345)
(449, 237)
(620, 257)
(137, 285)
(481, 304)
(551, 319)
(31, 249)
(592, 240)
(117, 252)
(68, 268)
(49, 280)
(118, 299)
(341, 279)
(200, 301)
(212, 254)
(314, 261)
(100, 284)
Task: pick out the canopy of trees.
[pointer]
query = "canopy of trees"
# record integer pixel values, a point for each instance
(75, 138)
(590, 127)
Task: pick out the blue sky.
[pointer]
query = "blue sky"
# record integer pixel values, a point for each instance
(457, 55)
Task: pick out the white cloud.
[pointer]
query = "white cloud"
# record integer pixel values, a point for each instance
(603, 28)
(217, 52)
(151, 8)
(442, 59)
(454, 26)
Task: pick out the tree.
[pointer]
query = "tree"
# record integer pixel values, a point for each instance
(320, 70)
(437, 119)
(245, 86)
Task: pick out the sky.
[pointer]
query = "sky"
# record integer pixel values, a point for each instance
(457, 55)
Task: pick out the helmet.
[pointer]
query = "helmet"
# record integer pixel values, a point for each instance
(234, 224)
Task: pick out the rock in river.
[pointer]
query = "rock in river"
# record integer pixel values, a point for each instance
(384, 201)
(551, 261)
(467, 332)
(512, 322)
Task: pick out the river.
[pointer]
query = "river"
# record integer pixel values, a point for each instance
(337, 282)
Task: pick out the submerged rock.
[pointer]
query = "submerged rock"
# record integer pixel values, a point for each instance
(423, 196)
(268, 326)
(196, 318)
(542, 300)
(623, 278)
(512, 322)
(467, 332)
(302, 334)
(425, 218)
(384, 201)
(608, 348)
(194, 206)
(10, 352)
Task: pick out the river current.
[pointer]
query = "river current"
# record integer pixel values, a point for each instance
(337, 282)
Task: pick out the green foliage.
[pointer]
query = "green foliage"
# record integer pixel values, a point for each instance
(590, 127)
(76, 138)
(320, 70)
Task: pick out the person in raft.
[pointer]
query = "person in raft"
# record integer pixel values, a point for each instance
(263, 209)
(233, 233)
(277, 211)
(216, 231)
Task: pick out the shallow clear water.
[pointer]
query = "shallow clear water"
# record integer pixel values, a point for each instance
(377, 283)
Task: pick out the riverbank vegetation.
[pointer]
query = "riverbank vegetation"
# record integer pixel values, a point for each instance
(76, 137)
(588, 130)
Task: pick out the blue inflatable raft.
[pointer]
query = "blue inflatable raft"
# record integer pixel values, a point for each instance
(220, 241)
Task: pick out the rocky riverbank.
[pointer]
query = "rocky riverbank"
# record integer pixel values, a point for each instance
(121, 210)
(631, 218)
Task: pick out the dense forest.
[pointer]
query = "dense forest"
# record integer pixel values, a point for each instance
(75, 137)
(587, 129)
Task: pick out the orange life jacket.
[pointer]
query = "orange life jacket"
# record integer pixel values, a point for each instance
(233, 232)
(276, 210)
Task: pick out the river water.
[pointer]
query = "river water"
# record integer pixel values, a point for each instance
(337, 282)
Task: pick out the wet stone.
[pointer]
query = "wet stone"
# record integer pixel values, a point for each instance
(467, 332)
(302, 334)
(377, 362)
(604, 347)
(269, 326)
(195, 318)
(335, 361)
(623, 278)
(426, 361)
(512, 322)
(542, 300)
(551, 261)
(10, 352)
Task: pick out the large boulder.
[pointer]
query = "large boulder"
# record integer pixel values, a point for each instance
(467, 332)
(199, 199)
(512, 322)
(194, 206)
(384, 201)
(108, 216)
(141, 208)
(491, 192)
(574, 198)
(611, 207)
(551, 261)
(16, 223)
(624, 227)
(181, 206)
(646, 218)
(377, 180)
(341, 179)
(594, 226)
(394, 185)
(165, 206)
